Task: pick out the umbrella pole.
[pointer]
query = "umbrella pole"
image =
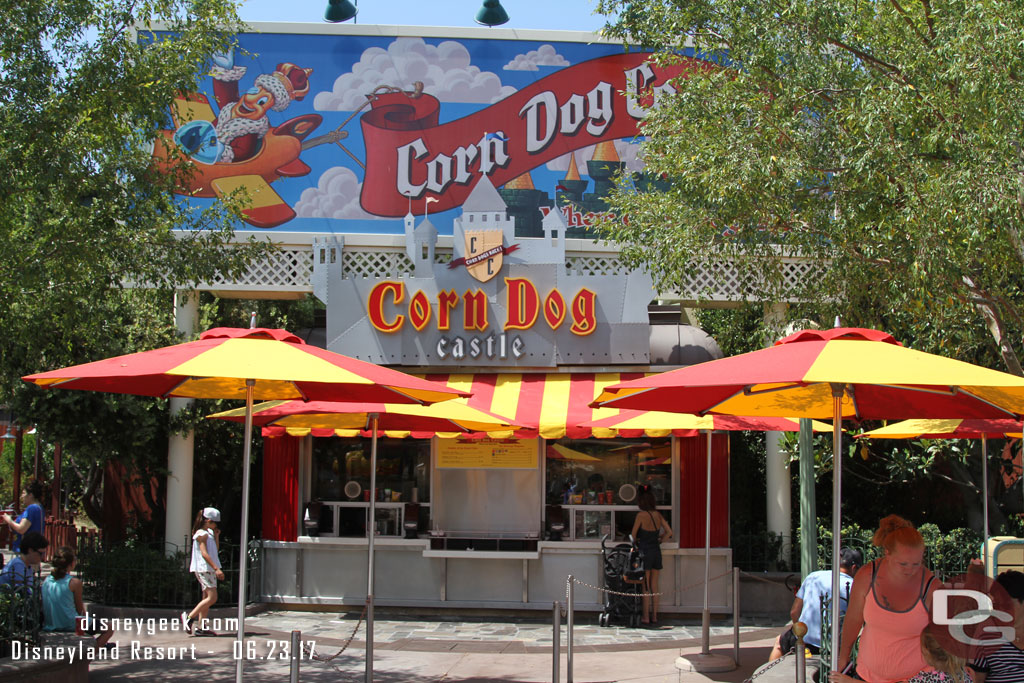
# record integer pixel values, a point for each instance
(372, 529)
(837, 487)
(705, 615)
(984, 488)
(243, 546)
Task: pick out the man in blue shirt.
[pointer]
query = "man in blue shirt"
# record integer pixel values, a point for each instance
(31, 519)
(20, 572)
(807, 605)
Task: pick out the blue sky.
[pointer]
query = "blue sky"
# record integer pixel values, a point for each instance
(572, 15)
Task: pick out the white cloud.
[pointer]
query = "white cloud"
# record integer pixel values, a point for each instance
(545, 55)
(336, 195)
(445, 71)
(628, 152)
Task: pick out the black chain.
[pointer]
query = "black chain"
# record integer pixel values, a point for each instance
(320, 658)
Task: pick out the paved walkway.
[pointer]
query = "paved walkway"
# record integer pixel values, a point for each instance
(429, 649)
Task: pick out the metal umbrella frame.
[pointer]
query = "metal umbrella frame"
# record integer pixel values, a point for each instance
(245, 363)
(447, 419)
(955, 429)
(655, 423)
(837, 373)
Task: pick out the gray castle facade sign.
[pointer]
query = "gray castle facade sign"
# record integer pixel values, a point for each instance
(503, 300)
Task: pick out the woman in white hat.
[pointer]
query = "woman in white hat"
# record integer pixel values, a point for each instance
(206, 566)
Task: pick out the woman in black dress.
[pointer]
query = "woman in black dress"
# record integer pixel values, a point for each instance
(650, 529)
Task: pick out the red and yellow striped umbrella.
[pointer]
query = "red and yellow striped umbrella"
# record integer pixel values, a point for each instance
(262, 363)
(837, 373)
(878, 379)
(657, 423)
(947, 429)
(341, 418)
(223, 360)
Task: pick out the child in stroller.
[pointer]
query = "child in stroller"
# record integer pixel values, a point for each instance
(624, 575)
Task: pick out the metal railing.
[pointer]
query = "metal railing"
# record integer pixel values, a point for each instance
(146, 577)
(21, 616)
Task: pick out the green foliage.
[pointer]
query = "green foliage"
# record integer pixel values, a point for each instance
(881, 140)
(83, 211)
(949, 554)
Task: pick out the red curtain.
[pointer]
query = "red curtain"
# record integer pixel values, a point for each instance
(280, 488)
(693, 456)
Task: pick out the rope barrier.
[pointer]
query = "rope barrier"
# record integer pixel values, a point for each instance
(609, 591)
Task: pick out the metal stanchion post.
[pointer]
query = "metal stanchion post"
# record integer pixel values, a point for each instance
(736, 614)
(556, 634)
(293, 674)
(568, 629)
(800, 630)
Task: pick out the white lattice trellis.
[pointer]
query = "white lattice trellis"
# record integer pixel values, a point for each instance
(287, 270)
(290, 270)
(595, 265)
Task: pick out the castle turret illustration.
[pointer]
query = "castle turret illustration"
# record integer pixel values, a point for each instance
(573, 184)
(602, 168)
(524, 202)
(424, 240)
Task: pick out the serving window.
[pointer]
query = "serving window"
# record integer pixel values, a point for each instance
(596, 483)
(340, 482)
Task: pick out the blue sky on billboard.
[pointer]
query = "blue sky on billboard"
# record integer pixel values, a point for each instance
(565, 15)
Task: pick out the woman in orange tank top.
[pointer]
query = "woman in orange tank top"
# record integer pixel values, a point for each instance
(889, 606)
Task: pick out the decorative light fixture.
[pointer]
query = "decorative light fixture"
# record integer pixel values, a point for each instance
(492, 14)
(7, 419)
(339, 10)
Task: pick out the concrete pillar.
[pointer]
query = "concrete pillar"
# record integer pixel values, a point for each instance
(178, 525)
(779, 506)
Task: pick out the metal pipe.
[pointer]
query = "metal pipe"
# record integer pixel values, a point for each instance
(800, 630)
(556, 635)
(243, 548)
(293, 673)
(984, 487)
(837, 488)
(736, 615)
(705, 615)
(570, 608)
(371, 527)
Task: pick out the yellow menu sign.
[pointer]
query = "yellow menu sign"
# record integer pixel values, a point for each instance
(487, 453)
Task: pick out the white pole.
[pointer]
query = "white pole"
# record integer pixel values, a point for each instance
(371, 528)
(837, 488)
(984, 487)
(243, 549)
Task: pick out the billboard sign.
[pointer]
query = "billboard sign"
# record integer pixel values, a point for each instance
(343, 129)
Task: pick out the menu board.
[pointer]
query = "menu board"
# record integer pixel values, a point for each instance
(516, 454)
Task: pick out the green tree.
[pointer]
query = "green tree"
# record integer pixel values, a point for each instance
(881, 139)
(93, 240)
(83, 211)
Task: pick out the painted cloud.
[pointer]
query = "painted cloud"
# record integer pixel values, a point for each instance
(629, 152)
(444, 70)
(545, 55)
(335, 196)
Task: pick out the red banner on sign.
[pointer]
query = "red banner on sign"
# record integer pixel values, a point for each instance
(410, 154)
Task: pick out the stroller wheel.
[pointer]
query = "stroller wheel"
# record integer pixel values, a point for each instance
(602, 619)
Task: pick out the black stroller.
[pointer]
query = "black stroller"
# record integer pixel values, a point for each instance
(623, 573)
